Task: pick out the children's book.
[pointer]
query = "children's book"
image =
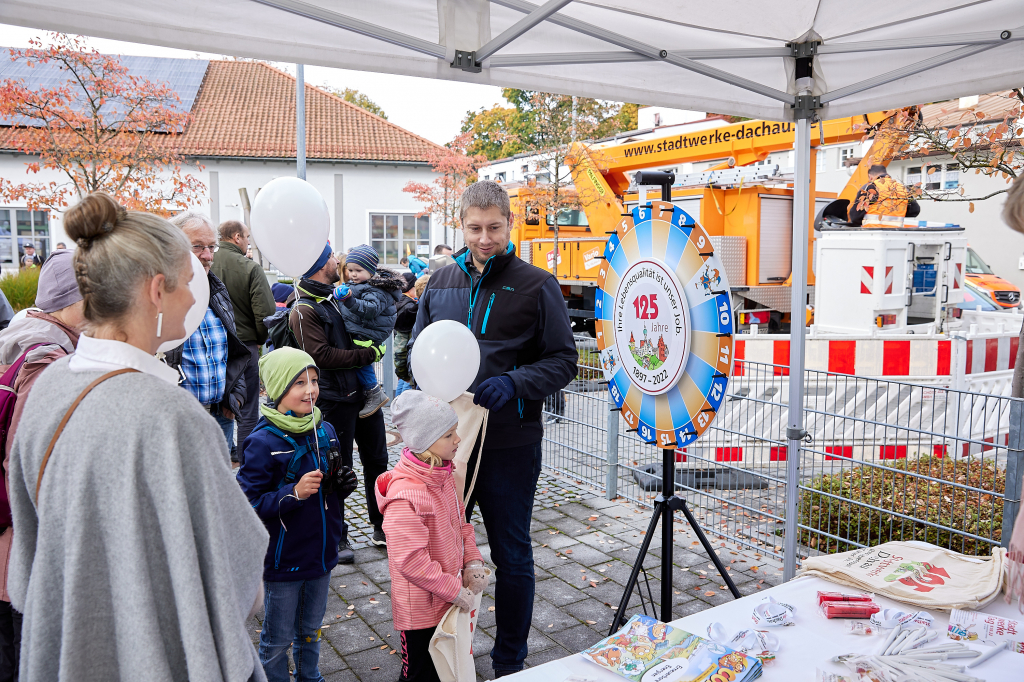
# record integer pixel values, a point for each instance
(647, 650)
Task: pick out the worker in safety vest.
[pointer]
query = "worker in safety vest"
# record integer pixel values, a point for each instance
(882, 202)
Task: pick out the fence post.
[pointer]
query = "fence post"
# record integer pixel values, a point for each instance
(1014, 470)
(611, 488)
(388, 368)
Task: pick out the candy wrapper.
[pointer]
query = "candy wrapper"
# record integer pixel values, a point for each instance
(842, 596)
(848, 609)
(974, 626)
(858, 628)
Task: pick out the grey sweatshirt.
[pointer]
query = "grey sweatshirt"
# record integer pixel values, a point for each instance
(143, 558)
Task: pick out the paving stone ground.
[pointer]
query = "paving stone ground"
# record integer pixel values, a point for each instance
(584, 549)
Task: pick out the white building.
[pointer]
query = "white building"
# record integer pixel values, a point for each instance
(243, 135)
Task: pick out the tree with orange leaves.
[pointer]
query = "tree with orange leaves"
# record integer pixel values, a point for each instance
(98, 128)
(455, 171)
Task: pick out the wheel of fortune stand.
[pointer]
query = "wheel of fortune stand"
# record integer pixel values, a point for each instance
(664, 325)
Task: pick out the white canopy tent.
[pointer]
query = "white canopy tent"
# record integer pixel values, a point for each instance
(782, 60)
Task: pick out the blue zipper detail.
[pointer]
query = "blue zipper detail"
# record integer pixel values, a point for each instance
(277, 554)
(474, 292)
(487, 314)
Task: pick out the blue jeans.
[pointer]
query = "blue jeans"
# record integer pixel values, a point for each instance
(367, 377)
(294, 613)
(504, 489)
(402, 387)
(228, 427)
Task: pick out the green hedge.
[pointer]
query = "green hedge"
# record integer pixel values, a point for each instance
(20, 288)
(891, 489)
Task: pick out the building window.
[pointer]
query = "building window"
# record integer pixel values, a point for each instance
(525, 168)
(487, 177)
(952, 177)
(397, 235)
(499, 177)
(913, 176)
(822, 159)
(845, 154)
(933, 177)
(29, 227)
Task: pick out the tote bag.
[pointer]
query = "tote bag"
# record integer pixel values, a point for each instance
(472, 424)
(916, 573)
(451, 646)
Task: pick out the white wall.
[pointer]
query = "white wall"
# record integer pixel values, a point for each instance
(650, 117)
(366, 188)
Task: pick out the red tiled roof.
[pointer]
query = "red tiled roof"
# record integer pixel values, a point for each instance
(993, 107)
(247, 109)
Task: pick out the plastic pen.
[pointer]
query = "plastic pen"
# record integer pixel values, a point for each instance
(987, 655)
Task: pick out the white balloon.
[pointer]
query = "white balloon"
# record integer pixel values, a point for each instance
(290, 224)
(445, 359)
(200, 288)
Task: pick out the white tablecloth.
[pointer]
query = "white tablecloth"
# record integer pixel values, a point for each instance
(804, 647)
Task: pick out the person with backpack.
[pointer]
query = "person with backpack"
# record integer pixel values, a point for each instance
(294, 479)
(27, 347)
(317, 326)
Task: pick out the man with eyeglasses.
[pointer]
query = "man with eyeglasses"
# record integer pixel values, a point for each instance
(252, 301)
(213, 361)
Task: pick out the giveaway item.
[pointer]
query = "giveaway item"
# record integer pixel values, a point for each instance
(974, 626)
(472, 429)
(848, 609)
(759, 643)
(841, 596)
(772, 613)
(915, 573)
(647, 650)
(894, 618)
(451, 646)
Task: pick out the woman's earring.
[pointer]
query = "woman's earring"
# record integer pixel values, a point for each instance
(159, 324)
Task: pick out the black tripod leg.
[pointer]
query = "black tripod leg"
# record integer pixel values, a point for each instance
(710, 550)
(668, 470)
(637, 567)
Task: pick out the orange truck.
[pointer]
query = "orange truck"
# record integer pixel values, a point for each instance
(746, 208)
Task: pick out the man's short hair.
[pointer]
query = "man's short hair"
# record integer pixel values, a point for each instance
(189, 218)
(229, 228)
(878, 169)
(440, 249)
(484, 194)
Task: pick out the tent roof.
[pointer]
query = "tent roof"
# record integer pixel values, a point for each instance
(724, 57)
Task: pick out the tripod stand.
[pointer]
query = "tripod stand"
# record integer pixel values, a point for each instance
(665, 506)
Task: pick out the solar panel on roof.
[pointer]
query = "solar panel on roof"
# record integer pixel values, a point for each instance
(184, 76)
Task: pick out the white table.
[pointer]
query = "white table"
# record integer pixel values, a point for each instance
(804, 647)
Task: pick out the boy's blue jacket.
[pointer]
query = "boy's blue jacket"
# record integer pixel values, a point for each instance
(304, 534)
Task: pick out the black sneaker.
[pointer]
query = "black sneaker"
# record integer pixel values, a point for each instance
(345, 553)
(378, 537)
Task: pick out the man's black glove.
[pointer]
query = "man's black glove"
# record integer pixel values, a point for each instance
(345, 482)
(493, 393)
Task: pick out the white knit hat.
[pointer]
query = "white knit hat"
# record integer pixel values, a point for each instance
(422, 419)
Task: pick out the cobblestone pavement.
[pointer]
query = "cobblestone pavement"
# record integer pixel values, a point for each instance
(584, 547)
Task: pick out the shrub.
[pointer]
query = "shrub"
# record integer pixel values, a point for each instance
(20, 288)
(891, 489)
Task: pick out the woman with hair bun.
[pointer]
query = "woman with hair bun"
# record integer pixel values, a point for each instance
(137, 556)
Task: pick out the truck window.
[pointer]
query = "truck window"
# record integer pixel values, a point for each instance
(569, 218)
(976, 266)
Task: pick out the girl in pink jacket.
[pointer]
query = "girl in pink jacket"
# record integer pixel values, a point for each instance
(432, 554)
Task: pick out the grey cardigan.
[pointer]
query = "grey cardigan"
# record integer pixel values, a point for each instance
(143, 558)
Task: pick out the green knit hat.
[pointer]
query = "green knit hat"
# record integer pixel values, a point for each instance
(281, 367)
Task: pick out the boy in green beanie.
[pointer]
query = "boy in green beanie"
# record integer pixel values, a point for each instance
(292, 475)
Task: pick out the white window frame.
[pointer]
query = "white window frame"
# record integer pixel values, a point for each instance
(845, 153)
(11, 257)
(401, 215)
(821, 164)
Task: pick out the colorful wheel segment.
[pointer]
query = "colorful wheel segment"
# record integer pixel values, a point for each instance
(664, 325)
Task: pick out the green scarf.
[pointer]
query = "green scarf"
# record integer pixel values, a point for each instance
(278, 370)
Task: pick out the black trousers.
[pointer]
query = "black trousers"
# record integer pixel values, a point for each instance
(251, 409)
(370, 436)
(10, 642)
(417, 666)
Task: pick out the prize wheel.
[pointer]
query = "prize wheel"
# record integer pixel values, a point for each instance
(664, 324)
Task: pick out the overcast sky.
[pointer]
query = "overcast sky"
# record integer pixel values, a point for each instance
(427, 107)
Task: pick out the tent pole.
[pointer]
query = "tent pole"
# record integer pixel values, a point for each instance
(797, 325)
(300, 121)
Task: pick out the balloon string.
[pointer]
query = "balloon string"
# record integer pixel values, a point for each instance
(302, 344)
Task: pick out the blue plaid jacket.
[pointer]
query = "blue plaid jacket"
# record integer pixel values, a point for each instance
(204, 360)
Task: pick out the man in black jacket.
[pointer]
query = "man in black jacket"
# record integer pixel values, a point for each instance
(213, 360)
(316, 323)
(519, 317)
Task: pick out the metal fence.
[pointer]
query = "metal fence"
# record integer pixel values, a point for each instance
(883, 460)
